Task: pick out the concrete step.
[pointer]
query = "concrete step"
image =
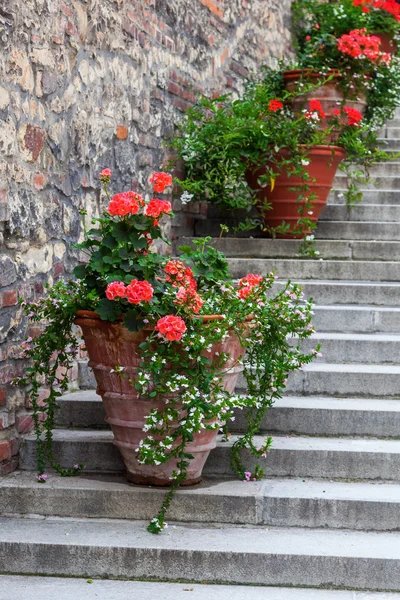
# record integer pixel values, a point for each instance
(357, 319)
(362, 348)
(389, 144)
(381, 169)
(344, 292)
(381, 196)
(320, 457)
(331, 249)
(236, 555)
(385, 182)
(358, 230)
(343, 380)
(340, 212)
(274, 502)
(39, 588)
(391, 131)
(317, 269)
(311, 415)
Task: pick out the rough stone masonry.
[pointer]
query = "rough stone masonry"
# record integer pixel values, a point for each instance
(89, 84)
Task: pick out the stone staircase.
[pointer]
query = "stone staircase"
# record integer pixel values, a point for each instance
(328, 513)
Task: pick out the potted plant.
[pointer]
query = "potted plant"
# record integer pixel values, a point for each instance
(258, 151)
(166, 339)
(342, 42)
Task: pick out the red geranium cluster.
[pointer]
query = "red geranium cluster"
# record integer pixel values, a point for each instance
(357, 43)
(157, 207)
(136, 292)
(275, 105)
(390, 6)
(179, 275)
(171, 328)
(315, 107)
(126, 203)
(139, 291)
(161, 181)
(189, 298)
(246, 285)
(354, 117)
(116, 289)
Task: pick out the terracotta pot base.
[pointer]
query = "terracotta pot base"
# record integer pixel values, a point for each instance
(147, 480)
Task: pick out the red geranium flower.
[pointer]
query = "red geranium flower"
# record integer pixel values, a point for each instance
(315, 107)
(157, 207)
(189, 298)
(125, 203)
(246, 284)
(275, 105)
(171, 328)
(116, 289)
(138, 291)
(161, 181)
(353, 115)
(105, 175)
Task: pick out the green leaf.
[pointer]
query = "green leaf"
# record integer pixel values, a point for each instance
(132, 322)
(122, 232)
(140, 243)
(109, 241)
(80, 271)
(109, 310)
(185, 249)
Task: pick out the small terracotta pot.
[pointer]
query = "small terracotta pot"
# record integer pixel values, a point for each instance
(329, 94)
(111, 344)
(324, 161)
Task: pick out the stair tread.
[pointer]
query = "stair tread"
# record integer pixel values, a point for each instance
(102, 533)
(353, 368)
(33, 588)
(362, 337)
(298, 443)
(316, 402)
(25, 481)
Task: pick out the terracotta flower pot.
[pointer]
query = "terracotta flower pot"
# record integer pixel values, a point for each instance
(111, 344)
(329, 94)
(387, 42)
(324, 161)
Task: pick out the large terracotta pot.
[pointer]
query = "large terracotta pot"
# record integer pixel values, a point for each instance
(387, 42)
(324, 161)
(329, 94)
(111, 344)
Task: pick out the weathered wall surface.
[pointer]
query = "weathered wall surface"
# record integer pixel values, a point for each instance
(89, 84)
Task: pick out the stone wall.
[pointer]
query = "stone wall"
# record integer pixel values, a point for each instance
(89, 84)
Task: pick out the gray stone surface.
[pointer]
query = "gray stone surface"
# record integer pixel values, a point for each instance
(358, 230)
(357, 319)
(329, 379)
(39, 588)
(361, 212)
(341, 458)
(272, 556)
(30, 588)
(276, 502)
(291, 414)
(381, 196)
(376, 348)
(347, 292)
(318, 269)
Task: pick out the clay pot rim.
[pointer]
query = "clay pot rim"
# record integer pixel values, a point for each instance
(90, 314)
(296, 73)
(320, 149)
